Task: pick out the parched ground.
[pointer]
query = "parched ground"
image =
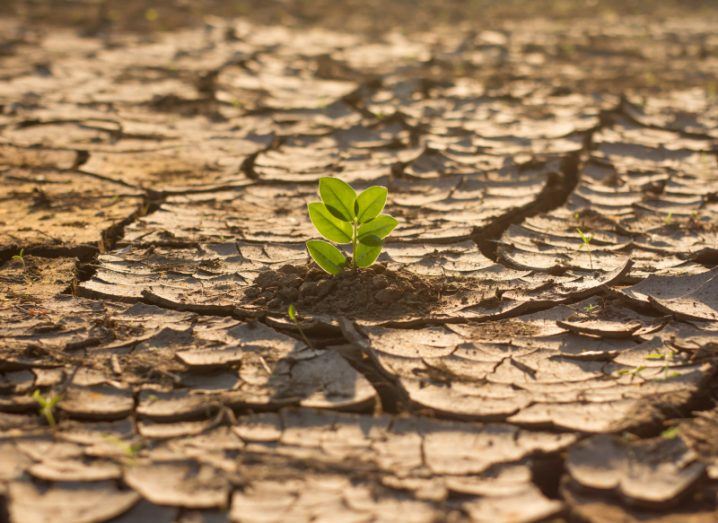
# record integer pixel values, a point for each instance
(155, 164)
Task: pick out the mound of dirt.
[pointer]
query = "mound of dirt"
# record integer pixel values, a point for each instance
(376, 291)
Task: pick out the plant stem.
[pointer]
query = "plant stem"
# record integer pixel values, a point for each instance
(354, 245)
(304, 336)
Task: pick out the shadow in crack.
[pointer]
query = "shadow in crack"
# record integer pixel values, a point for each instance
(286, 371)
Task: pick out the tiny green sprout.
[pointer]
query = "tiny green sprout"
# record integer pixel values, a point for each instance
(671, 433)
(20, 257)
(151, 14)
(344, 217)
(667, 361)
(294, 316)
(668, 219)
(590, 308)
(130, 450)
(632, 372)
(586, 239)
(47, 406)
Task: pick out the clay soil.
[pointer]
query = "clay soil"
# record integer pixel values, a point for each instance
(156, 160)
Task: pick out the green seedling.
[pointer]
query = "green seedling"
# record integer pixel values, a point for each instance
(632, 372)
(667, 359)
(294, 316)
(668, 219)
(129, 450)
(590, 308)
(47, 406)
(20, 257)
(343, 217)
(586, 239)
(671, 433)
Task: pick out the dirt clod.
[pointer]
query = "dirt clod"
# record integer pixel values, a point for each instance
(373, 292)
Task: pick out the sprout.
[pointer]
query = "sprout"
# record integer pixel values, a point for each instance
(586, 239)
(294, 316)
(344, 217)
(20, 257)
(47, 406)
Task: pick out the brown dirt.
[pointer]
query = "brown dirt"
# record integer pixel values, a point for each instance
(156, 159)
(376, 292)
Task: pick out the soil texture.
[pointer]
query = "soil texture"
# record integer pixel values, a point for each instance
(538, 340)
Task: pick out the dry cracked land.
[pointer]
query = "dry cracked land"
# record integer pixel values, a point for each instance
(493, 367)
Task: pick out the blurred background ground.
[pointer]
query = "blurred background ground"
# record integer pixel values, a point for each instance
(356, 15)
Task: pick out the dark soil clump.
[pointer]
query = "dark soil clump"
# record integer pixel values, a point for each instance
(373, 292)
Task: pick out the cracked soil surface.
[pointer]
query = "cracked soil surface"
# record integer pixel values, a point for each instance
(155, 165)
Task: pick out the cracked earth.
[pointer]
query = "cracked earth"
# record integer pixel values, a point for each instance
(153, 187)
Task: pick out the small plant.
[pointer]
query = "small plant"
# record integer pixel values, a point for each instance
(633, 373)
(151, 14)
(20, 257)
(671, 433)
(47, 406)
(344, 217)
(586, 239)
(588, 309)
(129, 450)
(667, 362)
(292, 313)
(668, 220)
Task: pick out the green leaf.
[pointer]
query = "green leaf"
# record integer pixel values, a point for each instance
(37, 396)
(339, 197)
(380, 226)
(670, 433)
(54, 400)
(327, 256)
(585, 238)
(365, 254)
(329, 226)
(292, 312)
(371, 202)
(372, 240)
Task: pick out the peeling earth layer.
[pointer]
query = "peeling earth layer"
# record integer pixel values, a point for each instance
(538, 340)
